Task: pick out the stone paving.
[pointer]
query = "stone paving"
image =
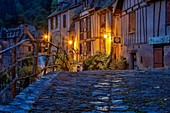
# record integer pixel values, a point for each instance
(145, 91)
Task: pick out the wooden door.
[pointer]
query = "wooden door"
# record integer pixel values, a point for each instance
(158, 57)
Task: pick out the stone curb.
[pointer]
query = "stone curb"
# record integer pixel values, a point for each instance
(23, 102)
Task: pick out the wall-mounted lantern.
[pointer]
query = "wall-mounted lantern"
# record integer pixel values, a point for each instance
(70, 42)
(105, 36)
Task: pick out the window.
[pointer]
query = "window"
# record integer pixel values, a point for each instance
(81, 49)
(103, 20)
(103, 23)
(88, 27)
(81, 25)
(63, 44)
(64, 21)
(88, 47)
(132, 22)
(81, 29)
(168, 12)
(52, 25)
(29, 48)
(56, 21)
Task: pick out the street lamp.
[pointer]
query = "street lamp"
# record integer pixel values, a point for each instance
(45, 37)
(105, 36)
(70, 42)
(45, 45)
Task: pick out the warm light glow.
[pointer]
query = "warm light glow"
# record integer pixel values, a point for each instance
(105, 36)
(45, 36)
(70, 42)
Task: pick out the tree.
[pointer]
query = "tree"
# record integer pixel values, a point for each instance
(54, 5)
(35, 12)
(2, 24)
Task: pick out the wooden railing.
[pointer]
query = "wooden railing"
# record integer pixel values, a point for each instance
(14, 83)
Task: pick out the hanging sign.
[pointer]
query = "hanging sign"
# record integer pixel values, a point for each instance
(159, 40)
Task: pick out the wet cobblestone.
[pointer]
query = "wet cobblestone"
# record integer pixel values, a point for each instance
(145, 91)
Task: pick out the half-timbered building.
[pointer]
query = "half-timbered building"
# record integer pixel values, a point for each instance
(145, 33)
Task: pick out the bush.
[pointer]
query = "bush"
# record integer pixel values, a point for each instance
(102, 61)
(96, 62)
(27, 70)
(3, 78)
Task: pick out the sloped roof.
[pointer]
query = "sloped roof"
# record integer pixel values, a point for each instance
(10, 33)
(102, 3)
(62, 9)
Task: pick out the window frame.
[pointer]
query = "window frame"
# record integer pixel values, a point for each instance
(82, 29)
(64, 21)
(88, 27)
(167, 12)
(56, 22)
(88, 44)
(132, 19)
(52, 24)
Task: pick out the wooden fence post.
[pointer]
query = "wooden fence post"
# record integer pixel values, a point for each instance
(35, 66)
(14, 70)
(47, 60)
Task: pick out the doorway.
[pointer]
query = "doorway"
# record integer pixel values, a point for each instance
(158, 57)
(134, 61)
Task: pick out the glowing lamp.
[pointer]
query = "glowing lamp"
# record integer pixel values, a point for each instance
(45, 36)
(70, 42)
(105, 36)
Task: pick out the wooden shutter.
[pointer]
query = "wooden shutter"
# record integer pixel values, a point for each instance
(132, 22)
(168, 12)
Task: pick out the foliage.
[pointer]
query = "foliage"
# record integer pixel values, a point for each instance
(27, 70)
(63, 62)
(2, 24)
(3, 77)
(101, 61)
(53, 5)
(29, 61)
(35, 12)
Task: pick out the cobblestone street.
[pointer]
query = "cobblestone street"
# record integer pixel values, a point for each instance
(104, 91)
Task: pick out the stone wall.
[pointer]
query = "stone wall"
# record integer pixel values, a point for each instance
(166, 55)
(144, 55)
